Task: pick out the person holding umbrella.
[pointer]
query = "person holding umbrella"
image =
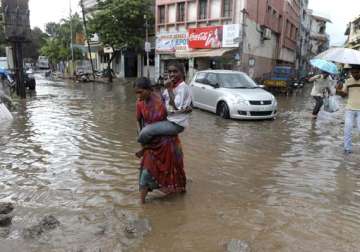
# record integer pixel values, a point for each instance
(351, 88)
(322, 82)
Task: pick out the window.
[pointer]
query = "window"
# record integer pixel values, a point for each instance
(162, 14)
(202, 9)
(180, 12)
(288, 28)
(227, 8)
(236, 80)
(200, 77)
(212, 79)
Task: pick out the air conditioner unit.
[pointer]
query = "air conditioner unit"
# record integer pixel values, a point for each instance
(266, 34)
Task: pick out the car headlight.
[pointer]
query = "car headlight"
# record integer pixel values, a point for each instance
(242, 102)
(275, 102)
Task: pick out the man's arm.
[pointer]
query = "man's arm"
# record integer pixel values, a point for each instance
(315, 78)
(345, 88)
(172, 98)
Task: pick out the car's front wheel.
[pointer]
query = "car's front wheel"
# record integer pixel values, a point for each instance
(223, 110)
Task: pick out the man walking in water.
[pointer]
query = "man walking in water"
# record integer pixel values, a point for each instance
(352, 114)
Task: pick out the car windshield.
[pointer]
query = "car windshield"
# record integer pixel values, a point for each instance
(236, 80)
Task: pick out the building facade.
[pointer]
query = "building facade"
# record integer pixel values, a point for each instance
(249, 35)
(304, 39)
(319, 39)
(353, 33)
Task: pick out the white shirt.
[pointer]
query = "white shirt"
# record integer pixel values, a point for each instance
(183, 99)
(320, 85)
(352, 88)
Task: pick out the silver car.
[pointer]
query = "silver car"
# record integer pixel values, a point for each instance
(232, 94)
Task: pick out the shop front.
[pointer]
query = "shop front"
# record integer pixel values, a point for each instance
(200, 48)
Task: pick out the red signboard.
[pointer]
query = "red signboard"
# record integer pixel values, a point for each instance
(205, 37)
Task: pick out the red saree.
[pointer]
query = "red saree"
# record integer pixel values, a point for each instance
(164, 159)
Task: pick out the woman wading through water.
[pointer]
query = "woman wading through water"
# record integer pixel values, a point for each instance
(162, 164)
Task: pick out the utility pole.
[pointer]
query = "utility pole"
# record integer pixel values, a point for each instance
(243, 36)
(17, 31)
(87, 37)
(19, 70)
(147, 47)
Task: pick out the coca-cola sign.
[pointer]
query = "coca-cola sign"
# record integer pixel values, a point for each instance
(205, 37)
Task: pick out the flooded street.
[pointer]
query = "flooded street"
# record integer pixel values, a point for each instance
(281, 185)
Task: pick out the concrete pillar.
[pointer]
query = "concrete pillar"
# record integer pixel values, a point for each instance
(122, 67)
(157, 66)
(140, 66)
(191, 69)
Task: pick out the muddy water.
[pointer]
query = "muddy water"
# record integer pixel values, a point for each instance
(281, 185)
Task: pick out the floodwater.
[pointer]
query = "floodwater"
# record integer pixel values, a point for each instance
(281, 185)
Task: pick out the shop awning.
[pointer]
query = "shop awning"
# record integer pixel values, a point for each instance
(198, 53)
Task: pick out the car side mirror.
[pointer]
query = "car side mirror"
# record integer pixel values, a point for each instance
(216, 85)
(206, 81)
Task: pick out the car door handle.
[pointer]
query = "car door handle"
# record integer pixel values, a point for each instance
(203, 88)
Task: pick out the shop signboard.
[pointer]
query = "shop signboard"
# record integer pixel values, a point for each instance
(205, 37)
(171, 42)
(231, 35)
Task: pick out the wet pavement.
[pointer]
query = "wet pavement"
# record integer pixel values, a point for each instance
(281, 185)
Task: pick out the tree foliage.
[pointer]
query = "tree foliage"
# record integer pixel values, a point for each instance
(37, 40)
(121, 23)
(52, 29)
(61, 36)
(31, 48)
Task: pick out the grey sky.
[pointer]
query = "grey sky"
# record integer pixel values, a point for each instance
(340, 12)
(45, 11)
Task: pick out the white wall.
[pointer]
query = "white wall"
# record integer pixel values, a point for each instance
(287, 55)
(239, 5)
(172, 29)
(192, 11)
(215, 9)
(253, 44)
(172, 13)
(182, 28)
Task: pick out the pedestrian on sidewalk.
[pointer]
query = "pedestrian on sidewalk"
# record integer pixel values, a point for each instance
(351, 88)
(322, 84)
